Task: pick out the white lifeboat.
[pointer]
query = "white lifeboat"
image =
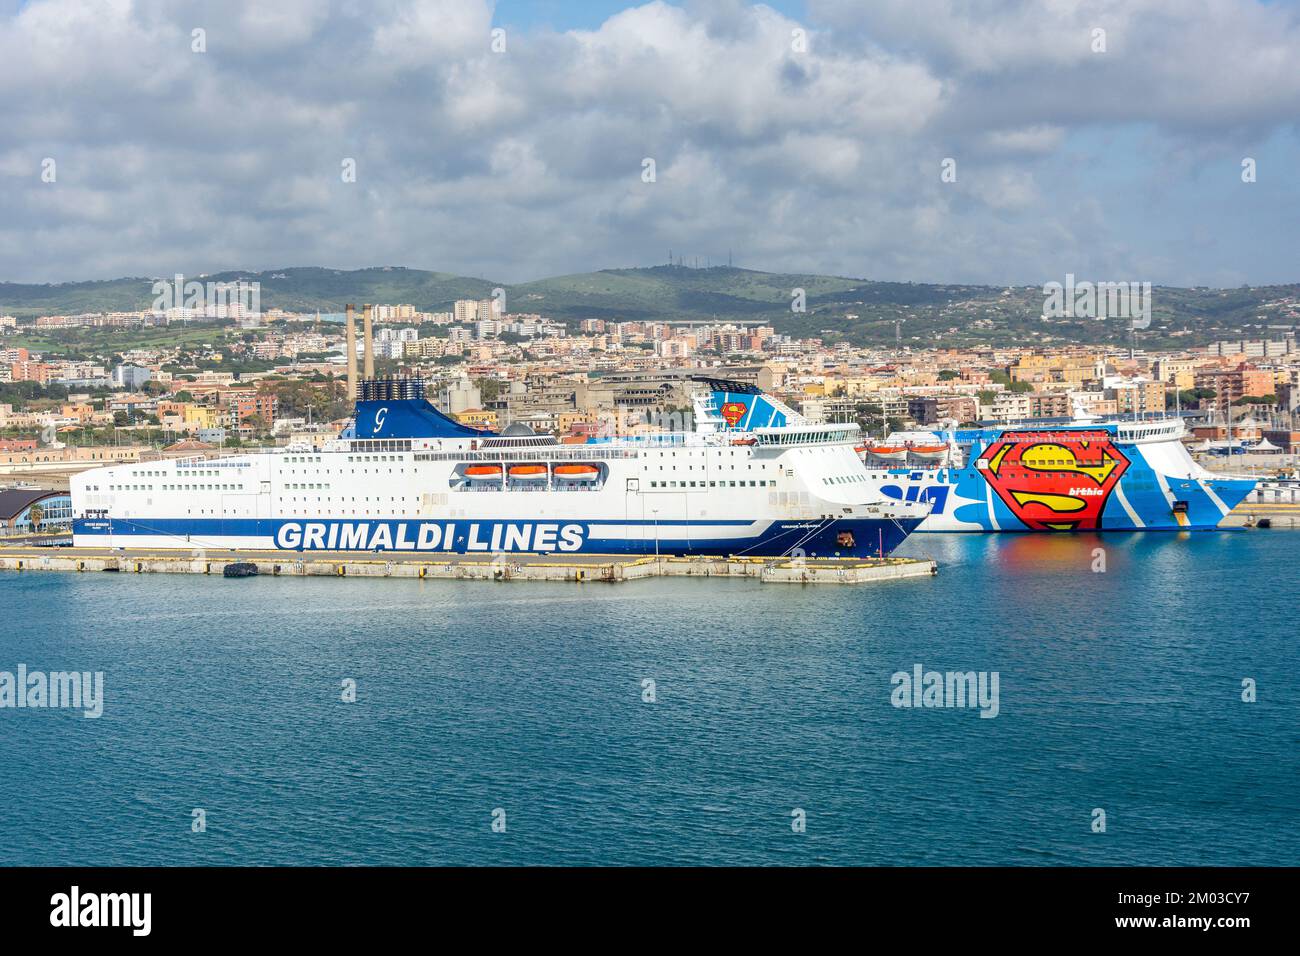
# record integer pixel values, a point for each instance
(928, 452)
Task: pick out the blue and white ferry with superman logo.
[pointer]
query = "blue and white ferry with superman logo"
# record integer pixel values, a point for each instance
(753, 479)
(1079, 475)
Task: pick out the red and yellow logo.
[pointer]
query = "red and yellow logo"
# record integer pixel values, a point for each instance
(733, 412)
(1055, 482)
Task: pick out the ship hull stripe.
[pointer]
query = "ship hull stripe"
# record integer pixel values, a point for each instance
(844, 537)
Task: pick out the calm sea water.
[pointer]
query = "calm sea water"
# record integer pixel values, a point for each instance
(1118, 690)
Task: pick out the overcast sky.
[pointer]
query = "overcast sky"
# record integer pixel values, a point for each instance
(824, 156)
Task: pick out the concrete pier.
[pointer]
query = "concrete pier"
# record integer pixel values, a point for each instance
(1249, 514)
(514, 567)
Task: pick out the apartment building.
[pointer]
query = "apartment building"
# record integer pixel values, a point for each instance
(931, 409)
(1232, 384)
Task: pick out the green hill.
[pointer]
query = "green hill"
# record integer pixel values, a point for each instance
(671, 292)
(295, 289)
(74, 298)
(838, 308)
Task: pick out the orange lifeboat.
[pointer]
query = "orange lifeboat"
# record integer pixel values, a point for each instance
(482, 472)
(528, 472)
(889, 452)
(577, 472)
(744, 441)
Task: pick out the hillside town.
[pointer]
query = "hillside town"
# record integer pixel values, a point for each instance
(79, 391)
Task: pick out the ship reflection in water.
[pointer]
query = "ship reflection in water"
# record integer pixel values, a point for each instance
(1097, 552)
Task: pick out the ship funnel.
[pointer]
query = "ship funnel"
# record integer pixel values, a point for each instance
(351, 335)
(368, 337)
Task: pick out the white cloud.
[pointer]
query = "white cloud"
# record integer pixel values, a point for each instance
(518, 164)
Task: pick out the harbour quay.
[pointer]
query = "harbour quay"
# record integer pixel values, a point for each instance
(1281, 515)
(514, 567)
(1273, 504)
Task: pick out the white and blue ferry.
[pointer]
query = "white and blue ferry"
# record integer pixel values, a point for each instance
(752, 479)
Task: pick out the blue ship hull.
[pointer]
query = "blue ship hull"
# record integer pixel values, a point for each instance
(844, 538)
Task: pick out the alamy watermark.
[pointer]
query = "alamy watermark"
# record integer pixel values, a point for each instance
(625, 420)
(922, 688)
(1098, 300)
(75, 908)
(211, 299)
(75, 690)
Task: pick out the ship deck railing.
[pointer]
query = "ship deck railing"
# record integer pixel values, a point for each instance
(894, 465)
(543, 453)
(533, 486)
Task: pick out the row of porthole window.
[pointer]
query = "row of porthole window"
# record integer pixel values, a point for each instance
(218, 487)
(712, 484)
(716, 468)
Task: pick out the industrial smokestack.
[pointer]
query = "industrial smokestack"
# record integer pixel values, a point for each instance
(352, 350)
(368, 336)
